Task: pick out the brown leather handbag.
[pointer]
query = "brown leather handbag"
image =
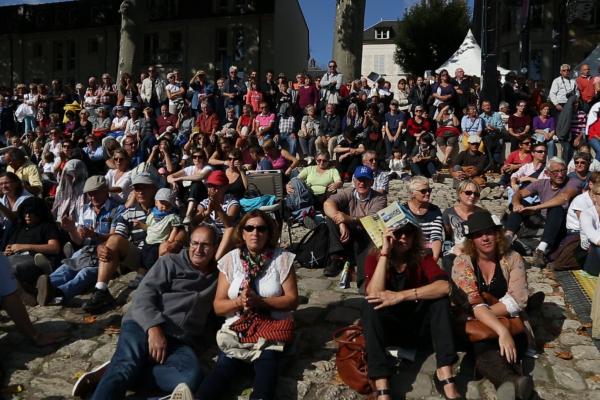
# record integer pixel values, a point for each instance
(477, 331)
(351, 358)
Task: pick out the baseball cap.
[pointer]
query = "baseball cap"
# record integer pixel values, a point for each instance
(94, 183)
(165, 194)
(217, 178)
(363, 172)
(474, 139)
(144, 178)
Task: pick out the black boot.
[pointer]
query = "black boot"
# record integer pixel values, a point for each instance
(497, 370)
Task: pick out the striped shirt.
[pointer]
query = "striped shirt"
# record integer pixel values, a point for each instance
(431, 223)
(124, 225)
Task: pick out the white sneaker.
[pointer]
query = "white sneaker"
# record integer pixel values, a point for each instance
(181, 392)
(68, 250)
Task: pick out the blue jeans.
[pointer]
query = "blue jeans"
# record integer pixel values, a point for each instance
(551, 146)
(131, 364)
(424, 168)
(307, 145)
(389, 145)
(72, 282)
(29, 124)
(595, 143)
(227, 369)
(289, 142)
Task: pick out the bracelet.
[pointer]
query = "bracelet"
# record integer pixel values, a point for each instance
(416, 295)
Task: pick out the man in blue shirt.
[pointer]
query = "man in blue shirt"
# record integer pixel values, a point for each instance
(492, 134)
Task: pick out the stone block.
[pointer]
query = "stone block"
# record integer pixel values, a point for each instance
(568, 378)
(79, 348)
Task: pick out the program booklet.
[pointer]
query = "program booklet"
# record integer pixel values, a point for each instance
(390, 217)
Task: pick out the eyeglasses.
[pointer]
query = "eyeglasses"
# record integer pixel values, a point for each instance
(258, 228)
(195, 156)
(321, 160)
(371, 160)
(580, 162)
(424, 191)
(203, 246)
(119, 159)
(66, 146)
(470, 193)
(232, 158)
(332, 66)
(540, 151)
(418, 111)
(558, 171)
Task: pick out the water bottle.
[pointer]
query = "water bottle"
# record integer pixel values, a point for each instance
(345, 276)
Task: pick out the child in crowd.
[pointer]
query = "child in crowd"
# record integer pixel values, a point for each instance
(162, 225)
(397, 164)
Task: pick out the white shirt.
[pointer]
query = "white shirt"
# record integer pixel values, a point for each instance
(590, 225)
(580, 202)
(124, 183)
(560, 88)
(270, 283)
(591, 117)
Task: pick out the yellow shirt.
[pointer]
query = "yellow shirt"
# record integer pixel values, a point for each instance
(28, 173)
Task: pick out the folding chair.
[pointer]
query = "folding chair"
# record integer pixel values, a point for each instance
(269, 182)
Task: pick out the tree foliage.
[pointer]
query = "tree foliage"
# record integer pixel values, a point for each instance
(430, 33)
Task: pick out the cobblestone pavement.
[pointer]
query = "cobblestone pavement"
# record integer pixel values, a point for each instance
(308, 370)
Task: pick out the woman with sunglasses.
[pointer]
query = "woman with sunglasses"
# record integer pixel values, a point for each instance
(426, 214)
(454, 219)
(516, 159)
(489, 268)
(119, 178)
(582, 172)
(529, 172)
(406, 289)
(255, 277)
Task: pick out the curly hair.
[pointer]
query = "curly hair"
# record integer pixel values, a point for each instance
(273, 240)
(502, 247)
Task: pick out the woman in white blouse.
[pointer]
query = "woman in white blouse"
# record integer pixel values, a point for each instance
(272, 292)
(590, 227)
(119, 178)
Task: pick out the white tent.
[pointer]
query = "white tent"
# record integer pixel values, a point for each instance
(593, 60)
(467, 57)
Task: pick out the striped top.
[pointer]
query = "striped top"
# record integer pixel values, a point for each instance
(430, 223)
(124, 225)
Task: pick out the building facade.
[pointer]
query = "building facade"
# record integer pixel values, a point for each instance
(76, 39)
(379, 47)
(559, 32)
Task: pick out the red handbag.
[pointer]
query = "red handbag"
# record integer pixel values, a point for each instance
(251, 327)
(351, 358)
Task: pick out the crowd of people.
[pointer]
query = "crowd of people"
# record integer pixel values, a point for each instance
(149, 175)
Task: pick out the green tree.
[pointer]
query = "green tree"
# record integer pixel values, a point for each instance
(430, 33)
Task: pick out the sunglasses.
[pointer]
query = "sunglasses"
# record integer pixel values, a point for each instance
(258, 228)
(418, 111)
(406, 230)
(539, 151)
(119, 159)
(471, 193)
(232, 158)
(196, 156)
(319, 161)
(425, 191)
(580, 162)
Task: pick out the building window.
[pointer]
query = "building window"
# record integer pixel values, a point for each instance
(536, 16)
(221, 42)
(71, 55)
(505, 59)
(37, 50)
(379, 63)
(93, 45)
(150, 48)
(58, 56)
(507, 20)
(382, 33)
(163, 9)
(175, 53)
(221, 6)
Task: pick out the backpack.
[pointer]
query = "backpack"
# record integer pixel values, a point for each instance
(313, 249)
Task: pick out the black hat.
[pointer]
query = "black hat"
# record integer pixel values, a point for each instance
(480, 221)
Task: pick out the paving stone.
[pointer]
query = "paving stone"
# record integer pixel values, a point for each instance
(568, 378)
(50, 387)
(324, 298)
(540, 374)
(66, 368)
(589, 366)
(473, 391)
(585, 353)
(573, 339)
(104, 353)
(593, 383)
(79, 348)
(309, 273)
(314, 284)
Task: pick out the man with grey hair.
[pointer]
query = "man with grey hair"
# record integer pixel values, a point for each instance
(562, 87)
(555, 194)
(381, 182)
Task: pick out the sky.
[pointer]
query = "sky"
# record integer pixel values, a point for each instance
(320, 17)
